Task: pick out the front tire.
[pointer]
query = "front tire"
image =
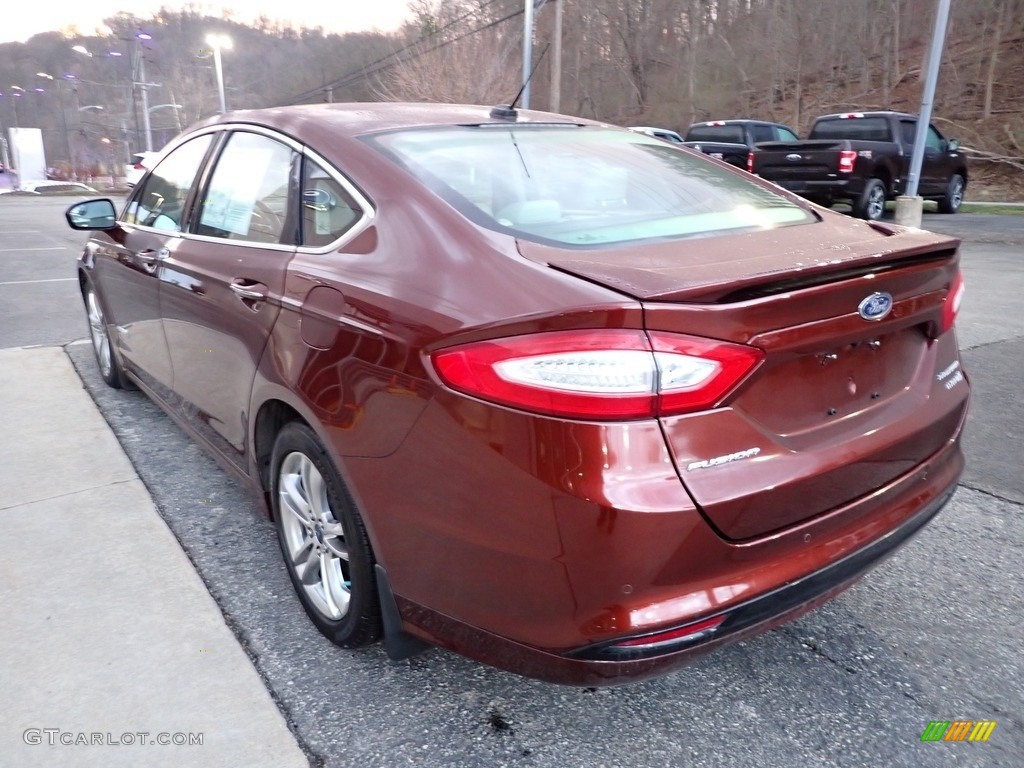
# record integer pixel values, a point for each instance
(106, 358)
(954, 197)
(323, 540)
(871, 203)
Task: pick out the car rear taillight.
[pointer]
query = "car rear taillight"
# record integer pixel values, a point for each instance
(847, 158)
(604, 375)
(750, 162)
(951, 306)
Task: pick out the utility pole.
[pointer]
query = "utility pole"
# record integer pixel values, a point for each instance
(556, 64)
(145, 102)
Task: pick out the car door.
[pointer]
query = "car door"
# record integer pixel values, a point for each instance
(936, 166)
(222, 287)
(129, 268)
(926, 179)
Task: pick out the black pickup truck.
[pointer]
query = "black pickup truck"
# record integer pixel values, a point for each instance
(863, 158)
(733, 140)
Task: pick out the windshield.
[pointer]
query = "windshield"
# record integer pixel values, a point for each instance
(584, 186)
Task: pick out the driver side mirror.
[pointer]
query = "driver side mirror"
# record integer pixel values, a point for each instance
(92, 215)
(953, 145)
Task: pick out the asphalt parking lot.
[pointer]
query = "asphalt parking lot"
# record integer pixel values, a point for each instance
(935, 633)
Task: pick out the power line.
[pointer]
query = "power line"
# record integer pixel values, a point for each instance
(383, 63)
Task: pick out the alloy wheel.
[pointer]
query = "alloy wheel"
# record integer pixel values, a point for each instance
(956, 196)
(98, 332)
(314, 537)
(876, 203)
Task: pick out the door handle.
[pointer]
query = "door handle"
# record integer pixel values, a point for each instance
(150, 256)
(249, 290)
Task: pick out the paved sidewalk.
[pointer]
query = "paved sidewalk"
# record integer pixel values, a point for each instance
(107, 633)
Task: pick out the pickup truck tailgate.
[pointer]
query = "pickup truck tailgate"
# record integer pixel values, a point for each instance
(778, 161)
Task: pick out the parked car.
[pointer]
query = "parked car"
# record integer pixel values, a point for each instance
(863, 158)
(659, 133)
(51, 187)
(552, 394)
(734, 141)
(141, 162)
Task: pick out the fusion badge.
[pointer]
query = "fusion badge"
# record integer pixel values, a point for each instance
(876, 306)
(718, 460)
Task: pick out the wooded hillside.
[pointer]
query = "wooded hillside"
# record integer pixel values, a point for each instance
(652, 62)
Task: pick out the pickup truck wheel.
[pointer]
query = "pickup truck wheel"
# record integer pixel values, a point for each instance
(950, 203)
(871, 203)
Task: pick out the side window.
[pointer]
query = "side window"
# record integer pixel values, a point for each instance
(933, 140)
(785, 134)
(909, 131)
(328, 210)
(761, 133)
(160, 203)
(247, 199)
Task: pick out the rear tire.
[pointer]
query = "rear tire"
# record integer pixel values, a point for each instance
(954, 197)
(871, 203)
(323, 540)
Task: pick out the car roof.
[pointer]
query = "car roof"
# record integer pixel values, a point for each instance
(876, 113)
(739, 121)
(354, 119)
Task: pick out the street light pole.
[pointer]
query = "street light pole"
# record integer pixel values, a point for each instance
(556, 64)
(527, 51)
(143, 85)
(16, 91)
(218, 42)
(924, 117)
(910, 205)
(175, 107)
(63, 115)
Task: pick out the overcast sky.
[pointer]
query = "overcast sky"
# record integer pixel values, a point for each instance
(87, 15)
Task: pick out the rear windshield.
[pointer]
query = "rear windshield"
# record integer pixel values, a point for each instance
(584, 186)
(727, 134)
(857, 128)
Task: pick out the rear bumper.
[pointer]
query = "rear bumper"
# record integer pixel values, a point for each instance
(843, 189)
(909, 504)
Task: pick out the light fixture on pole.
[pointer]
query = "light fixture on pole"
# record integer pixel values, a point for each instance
(175, 107)
(218, 42)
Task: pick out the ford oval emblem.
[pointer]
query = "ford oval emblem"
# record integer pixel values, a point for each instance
(876, 306)
(794, 156)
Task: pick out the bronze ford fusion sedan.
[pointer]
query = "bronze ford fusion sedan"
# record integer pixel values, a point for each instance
(559, 396)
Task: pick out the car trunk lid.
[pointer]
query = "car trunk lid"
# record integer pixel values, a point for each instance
(841, 404)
